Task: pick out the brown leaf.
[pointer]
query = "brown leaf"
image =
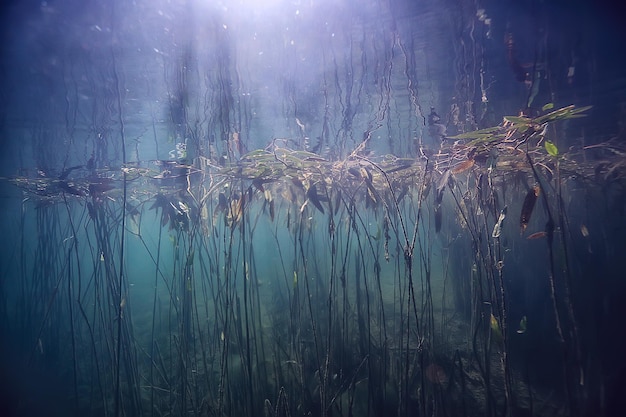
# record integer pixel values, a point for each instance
(528, 206)
(462, 166)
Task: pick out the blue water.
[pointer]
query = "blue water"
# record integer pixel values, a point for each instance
(282, 208)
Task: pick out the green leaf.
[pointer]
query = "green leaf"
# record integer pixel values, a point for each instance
(477, 134)
(581, 109)
(551, 148)
(564, 113)
(548, 106)
(518, 120)
(495, 329)
(485, 140)
(558, 114)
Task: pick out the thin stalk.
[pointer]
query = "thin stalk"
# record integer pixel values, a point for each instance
(154, 315)
(245, 272)
(120, 295)
(549, 239)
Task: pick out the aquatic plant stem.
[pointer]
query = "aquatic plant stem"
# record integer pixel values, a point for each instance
(245, 278)
(120, 299)
(504, 358)
(567, 281)
(70, 297)
(311, 315)
(154, 314)
(553, 293)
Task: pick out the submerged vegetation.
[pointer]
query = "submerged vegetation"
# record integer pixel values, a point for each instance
(311, 208)
(287, 282)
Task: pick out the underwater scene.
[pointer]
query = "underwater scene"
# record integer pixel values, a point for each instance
(290, 208)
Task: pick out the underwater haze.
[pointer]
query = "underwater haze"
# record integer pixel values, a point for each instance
(325, 208)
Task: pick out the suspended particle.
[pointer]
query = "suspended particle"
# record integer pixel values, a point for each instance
(523, 324)
(584, 230)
